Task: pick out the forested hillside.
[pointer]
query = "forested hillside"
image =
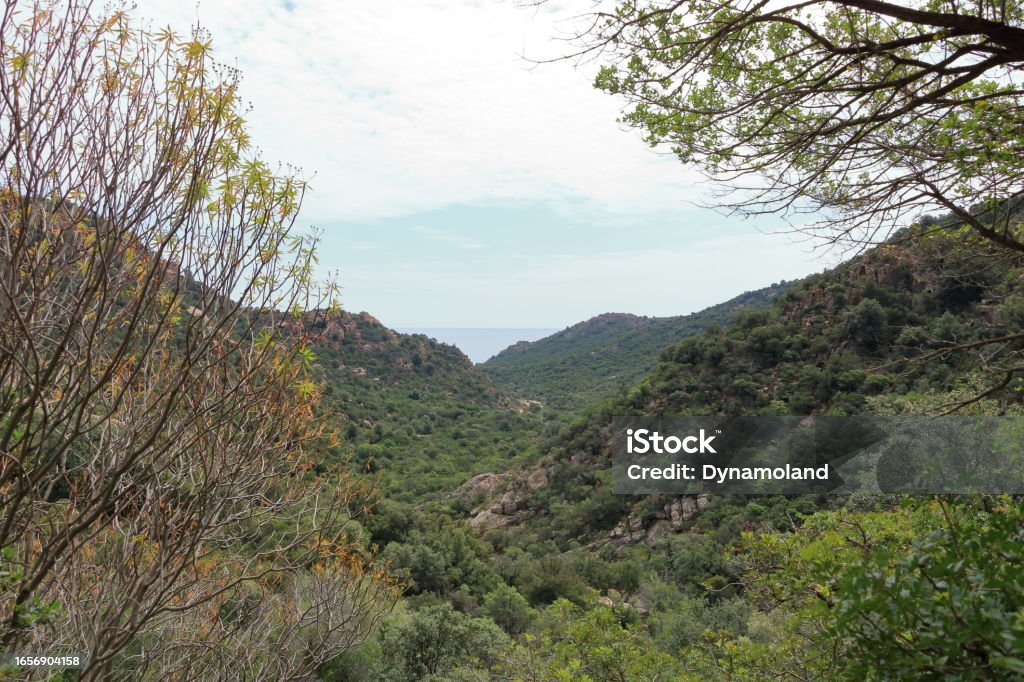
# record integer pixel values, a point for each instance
(595, 359)
(732, 587)
(854, 340)
(210, 470)
(415, 413)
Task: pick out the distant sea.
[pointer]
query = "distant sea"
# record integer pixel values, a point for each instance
(479, 344)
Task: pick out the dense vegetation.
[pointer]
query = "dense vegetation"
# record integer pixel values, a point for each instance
(595, 359)
(583, 584)
(414, 412)
(207, 473)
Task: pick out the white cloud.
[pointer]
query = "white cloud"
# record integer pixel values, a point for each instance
(404, 106)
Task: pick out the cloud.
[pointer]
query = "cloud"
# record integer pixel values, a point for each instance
(400, 107)
(403, 110)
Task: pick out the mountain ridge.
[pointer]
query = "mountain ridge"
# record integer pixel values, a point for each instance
(591, 360)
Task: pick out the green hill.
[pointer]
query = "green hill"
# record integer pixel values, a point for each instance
(593, 360)
(700, 584)
(415, 412)
(841, 342)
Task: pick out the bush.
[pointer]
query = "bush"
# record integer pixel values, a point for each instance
(691, 559)
(692, 619)
(550, 578)
(508, 608)
(435, 640)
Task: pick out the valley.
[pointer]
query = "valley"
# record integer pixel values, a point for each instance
(212, 467)
(522, 512)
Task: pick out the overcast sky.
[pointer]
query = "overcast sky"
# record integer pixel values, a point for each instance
(458, 184)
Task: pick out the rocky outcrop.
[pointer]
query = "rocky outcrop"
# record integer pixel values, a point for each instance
(481, 486)
(503, 500)
(500, 500)
(682, 509)
(628, 532)
(486, 519)
(672, 518)
(638, 604)
(537, 480)
(505, 497)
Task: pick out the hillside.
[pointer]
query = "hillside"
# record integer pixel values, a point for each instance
(593, 360)
(414, 412)
(842, 342)
(693, 585)
(209, 470)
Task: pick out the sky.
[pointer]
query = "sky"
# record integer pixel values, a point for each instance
(459, 183)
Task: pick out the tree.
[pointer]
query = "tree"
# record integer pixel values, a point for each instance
(435, 640)
(588, 645)
(950, 609)
(508, 608)
(871, 110)
(932, 590)
(866, 324)
(864, 113)
(159, 510)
